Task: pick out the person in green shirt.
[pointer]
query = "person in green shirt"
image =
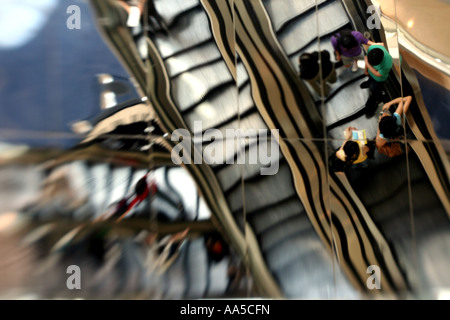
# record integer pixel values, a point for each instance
(378, 65)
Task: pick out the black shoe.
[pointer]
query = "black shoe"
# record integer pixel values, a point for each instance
(365, 84)
(371, 108)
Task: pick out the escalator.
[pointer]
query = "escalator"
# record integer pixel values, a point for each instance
(401, 214)
(287, 224)
(302, 231)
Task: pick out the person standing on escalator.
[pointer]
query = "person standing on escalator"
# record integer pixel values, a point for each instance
(347, 47)
(353, 153)
(378, 65)
(390, 133)
(309, 66)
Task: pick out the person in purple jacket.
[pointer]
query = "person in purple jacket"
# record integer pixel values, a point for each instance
(347, 47)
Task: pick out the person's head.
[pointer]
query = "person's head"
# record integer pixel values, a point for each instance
(347, 40)
(307, 60)
(351, 150)
(388, 127)
(375, 56)
(308, 64)
(335, 164)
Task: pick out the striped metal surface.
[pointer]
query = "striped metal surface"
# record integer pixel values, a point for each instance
(254, 84)
(303, 232)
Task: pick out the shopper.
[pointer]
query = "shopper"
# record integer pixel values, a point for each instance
(310, 64)
(378, 65)
(390, 126)
(347, 47)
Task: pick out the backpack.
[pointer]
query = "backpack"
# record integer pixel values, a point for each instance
(391, 149)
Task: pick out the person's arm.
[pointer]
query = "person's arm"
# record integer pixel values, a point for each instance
(363, 40)
(348, 133)
(335, 45)
(142, 4)
(138, 3)
(338, 55)
(371, 43)
(390, 103)
(130, 9)
(371, 68)
(125, 6)
(403, 105)
(379, 141)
